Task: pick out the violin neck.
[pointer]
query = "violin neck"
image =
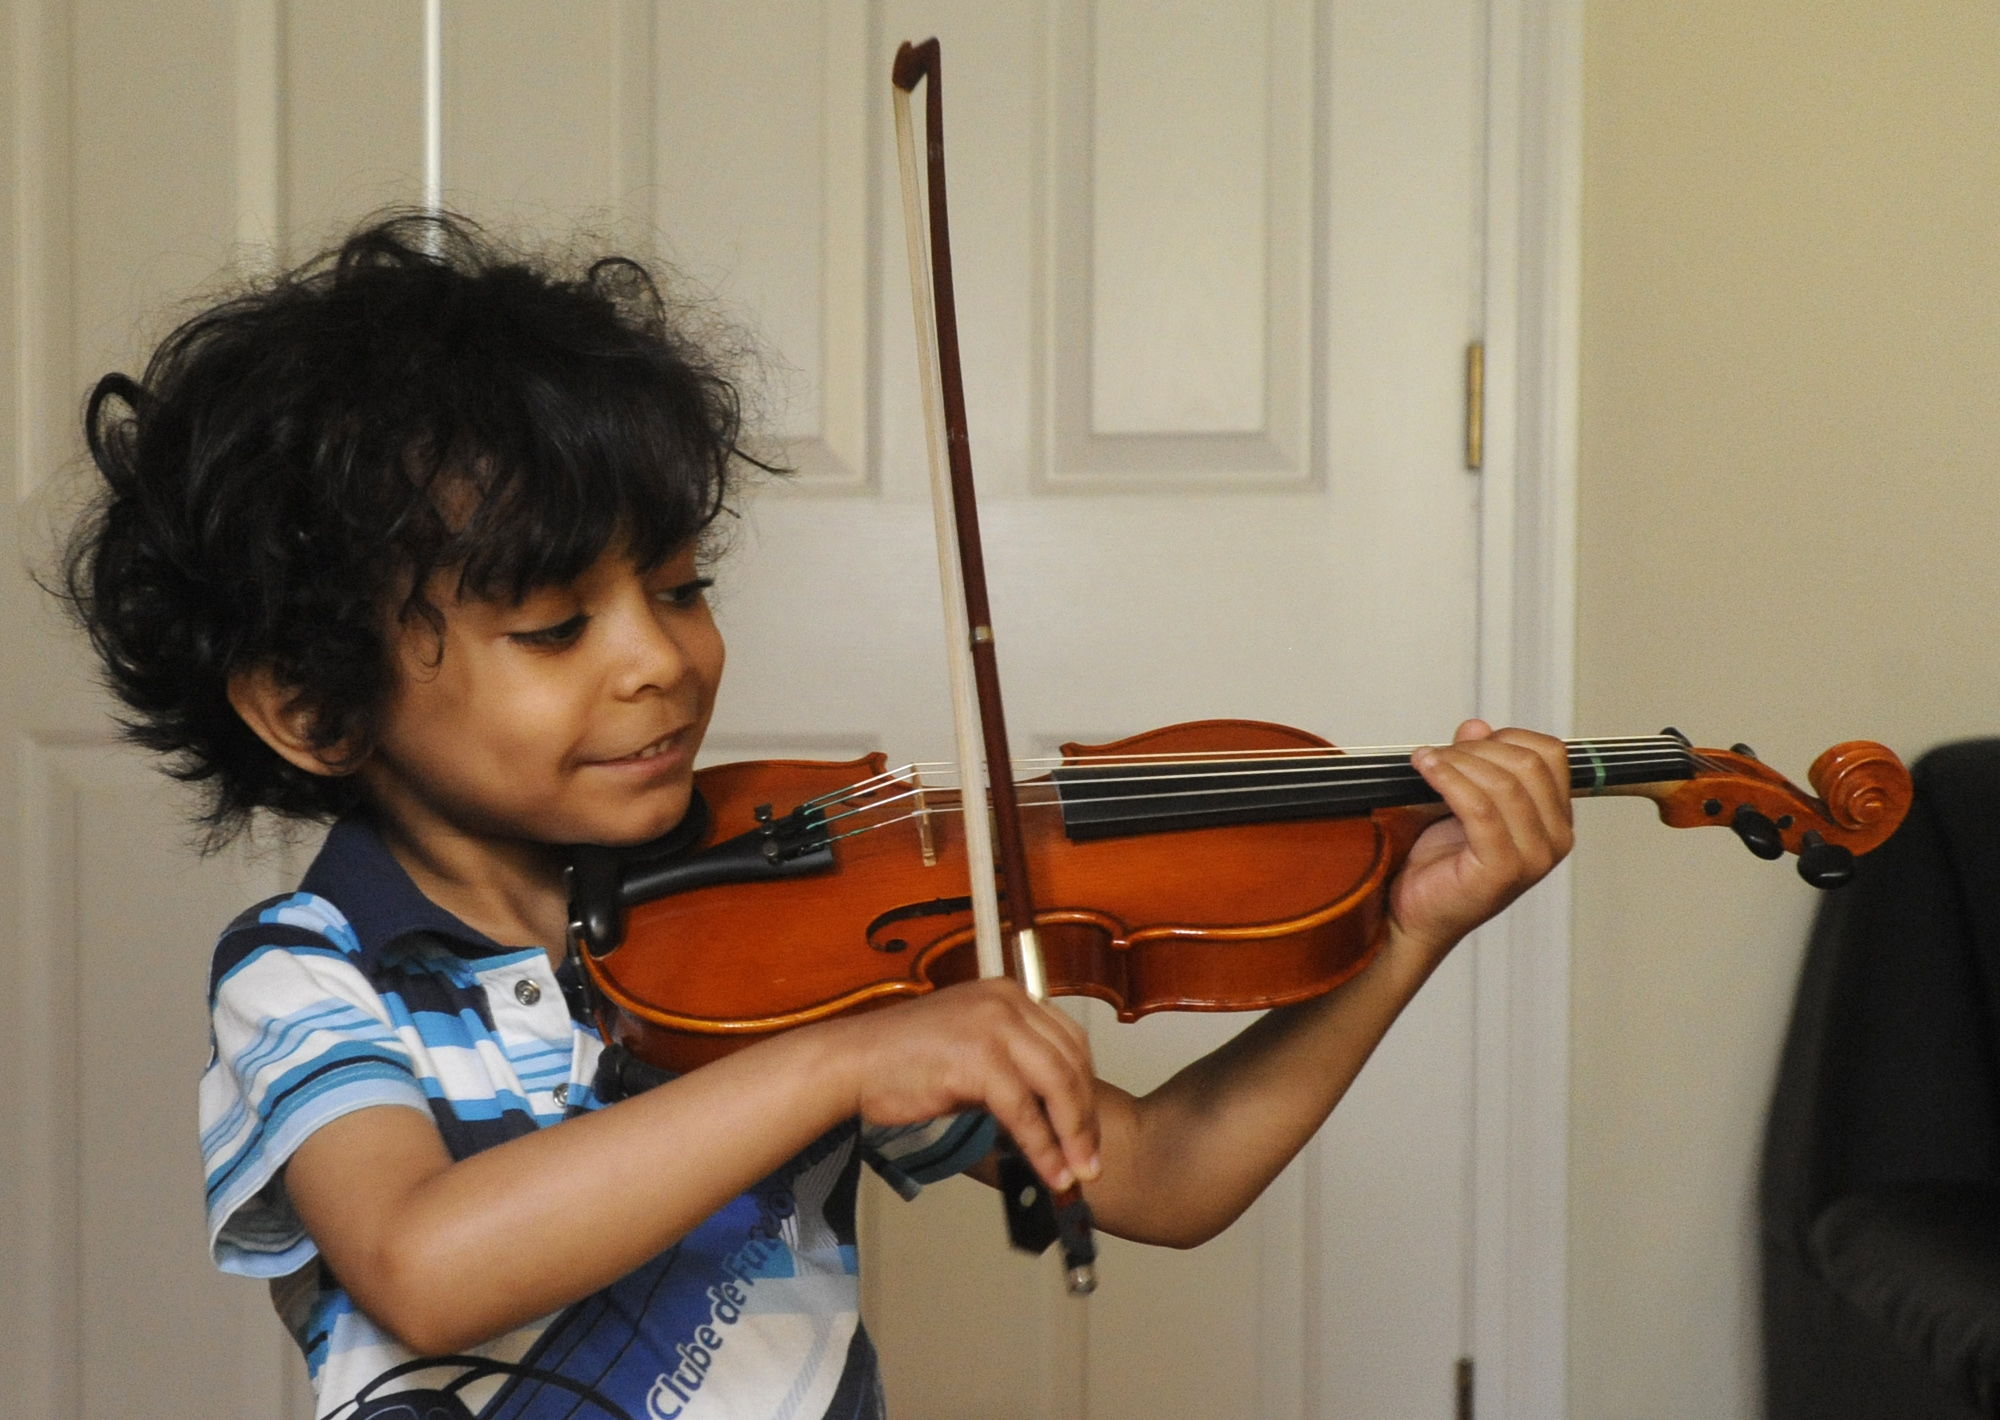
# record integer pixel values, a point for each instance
(1120, 797)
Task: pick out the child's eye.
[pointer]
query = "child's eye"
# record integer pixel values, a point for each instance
(563, 633)
(686, 594)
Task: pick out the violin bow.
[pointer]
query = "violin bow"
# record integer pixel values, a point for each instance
(979, 723)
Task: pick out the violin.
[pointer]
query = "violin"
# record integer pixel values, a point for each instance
(1223, 865)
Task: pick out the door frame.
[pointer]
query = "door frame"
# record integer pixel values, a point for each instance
(1518, 1312)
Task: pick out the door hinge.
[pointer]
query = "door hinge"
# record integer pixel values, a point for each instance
(1475, 405)
(1465, 1380)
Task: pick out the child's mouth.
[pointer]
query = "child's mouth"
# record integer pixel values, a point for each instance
(665, 744)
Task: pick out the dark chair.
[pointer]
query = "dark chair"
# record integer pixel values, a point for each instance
(1880, 1189)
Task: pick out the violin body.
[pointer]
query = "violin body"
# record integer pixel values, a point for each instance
(1229, 918)
(1144, 901)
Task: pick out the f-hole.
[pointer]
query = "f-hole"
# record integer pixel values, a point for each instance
(936, 907)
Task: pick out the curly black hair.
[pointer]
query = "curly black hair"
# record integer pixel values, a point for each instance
(304, 459)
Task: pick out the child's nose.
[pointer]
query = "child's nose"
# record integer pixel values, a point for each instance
(649, 655)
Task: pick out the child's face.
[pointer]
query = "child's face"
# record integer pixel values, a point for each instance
(571, 718)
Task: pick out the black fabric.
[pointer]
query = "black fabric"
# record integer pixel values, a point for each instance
(859, 1395)
(1885, 1121)
(1924, 1261)
(1824, 1360)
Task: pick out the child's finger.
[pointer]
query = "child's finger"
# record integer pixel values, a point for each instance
(1506, 791)
(1033, 1096)
(1548, 783)
(1510, 825)
(1062, 1034)
(1039, 1062)
(1019, 1112)
(986, 1043)
(1055, 1063)
(1506, 837)
(1054, 1056)
(1039, 1021)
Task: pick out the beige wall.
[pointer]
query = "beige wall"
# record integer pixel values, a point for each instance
(1789, 534)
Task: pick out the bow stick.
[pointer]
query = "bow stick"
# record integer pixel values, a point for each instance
(978, 721)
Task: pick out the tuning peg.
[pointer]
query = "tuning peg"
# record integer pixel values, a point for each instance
(1758, 833)
(1823, 864)
(1740, 748)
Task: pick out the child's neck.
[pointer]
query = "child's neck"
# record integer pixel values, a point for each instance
(510, 889)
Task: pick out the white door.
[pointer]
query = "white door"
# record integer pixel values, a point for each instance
(1216, 272)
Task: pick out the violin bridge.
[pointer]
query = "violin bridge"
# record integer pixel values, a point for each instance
(924, 837)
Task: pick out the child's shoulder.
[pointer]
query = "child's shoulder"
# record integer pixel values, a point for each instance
(296, 923)
(323, 922)
(301, 915)
(359, 931)
(351, 910)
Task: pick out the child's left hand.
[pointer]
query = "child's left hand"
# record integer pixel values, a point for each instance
(1508, 793)
(1184, 1162)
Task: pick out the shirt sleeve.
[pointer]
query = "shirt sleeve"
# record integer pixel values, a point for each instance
(299, 1039)
(909, 1156)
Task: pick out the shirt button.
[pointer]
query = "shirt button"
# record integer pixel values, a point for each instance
(561, 1093)
(527, 993)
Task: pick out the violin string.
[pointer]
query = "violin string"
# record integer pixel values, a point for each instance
(937, 774)
(1335, 770)
(1345, 777)
(1310, 751)
(1225, 759)
(1051, 793)
(1046, 793)
(1052, 801)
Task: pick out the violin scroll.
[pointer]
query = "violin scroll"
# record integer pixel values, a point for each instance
(1862, 784)
(1863, 792)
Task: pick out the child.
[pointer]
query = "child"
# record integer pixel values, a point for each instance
(411, 539)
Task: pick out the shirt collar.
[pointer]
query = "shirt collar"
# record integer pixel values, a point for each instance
(357, 873)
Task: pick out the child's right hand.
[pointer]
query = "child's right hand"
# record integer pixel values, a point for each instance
(986, 1044)
(410, 1231)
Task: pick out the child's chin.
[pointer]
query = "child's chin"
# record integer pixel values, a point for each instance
(661, 815)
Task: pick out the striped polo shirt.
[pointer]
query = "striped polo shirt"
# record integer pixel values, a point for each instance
(357, 991)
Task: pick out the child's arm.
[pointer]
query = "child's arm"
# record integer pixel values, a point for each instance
(1182, 1163)
(447, 1255)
